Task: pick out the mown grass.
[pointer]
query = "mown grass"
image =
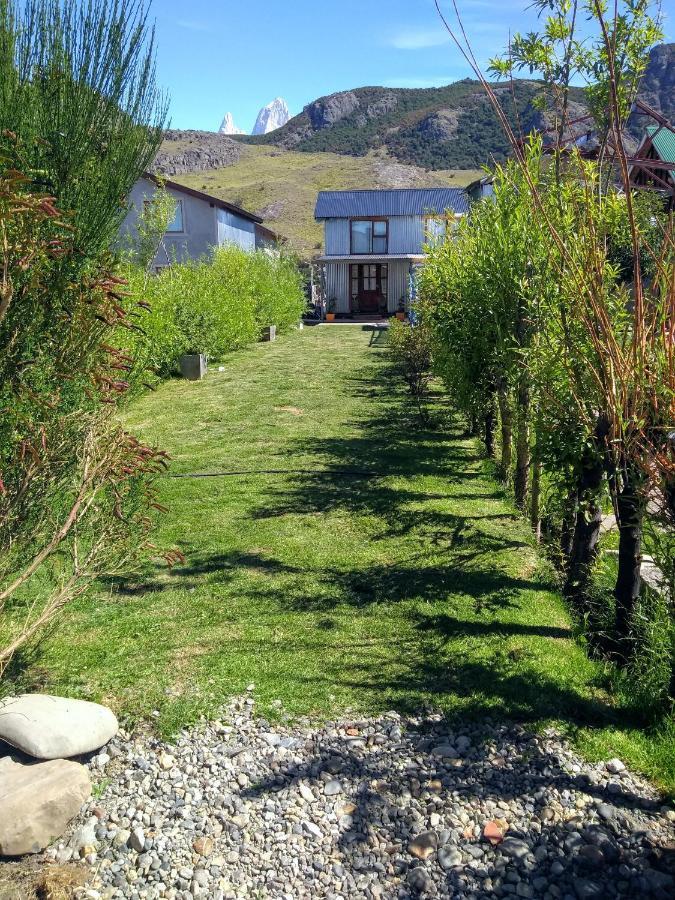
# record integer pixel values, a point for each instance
(267, 175)
(340, 558)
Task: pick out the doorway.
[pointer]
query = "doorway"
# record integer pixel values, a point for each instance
(369, 285)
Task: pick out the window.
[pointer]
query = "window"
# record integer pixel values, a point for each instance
(177, 224)
(369, 235)
(437, 228)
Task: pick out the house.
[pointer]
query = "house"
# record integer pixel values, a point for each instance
(374, 240)
(201, 223)
(653, 166)
(481, 188)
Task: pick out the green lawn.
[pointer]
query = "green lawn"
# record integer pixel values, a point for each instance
(339, 558)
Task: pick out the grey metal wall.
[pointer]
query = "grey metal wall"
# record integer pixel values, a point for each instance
(337, 237)
(232, 229)
(398, 284)
(337, 285)
(406, 235)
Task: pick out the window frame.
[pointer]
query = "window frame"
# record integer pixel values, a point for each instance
(372, 220)
(179, 206)
(451, 221)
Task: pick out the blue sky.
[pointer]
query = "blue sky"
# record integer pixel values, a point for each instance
(216, 56)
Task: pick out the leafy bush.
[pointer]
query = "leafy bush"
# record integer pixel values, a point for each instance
(80, 119)
(211, 306)
(410, 347)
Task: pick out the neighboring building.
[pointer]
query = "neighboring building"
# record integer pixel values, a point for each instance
(481, 188)
(650, 168)
(375, 239)
(201, 223)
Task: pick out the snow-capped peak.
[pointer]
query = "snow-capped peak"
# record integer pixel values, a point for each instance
(272, 116)
(228, 126)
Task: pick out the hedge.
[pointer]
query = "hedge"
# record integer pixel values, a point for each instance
(211, 306)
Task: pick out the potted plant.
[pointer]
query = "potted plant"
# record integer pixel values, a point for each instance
(400, 312)
(330, 310)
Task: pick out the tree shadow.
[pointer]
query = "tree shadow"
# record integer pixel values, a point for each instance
(391, 783)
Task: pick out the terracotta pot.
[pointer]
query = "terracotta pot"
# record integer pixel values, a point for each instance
(330, 317)
(400, 316)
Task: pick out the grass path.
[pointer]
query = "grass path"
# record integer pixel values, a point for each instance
(348, 560)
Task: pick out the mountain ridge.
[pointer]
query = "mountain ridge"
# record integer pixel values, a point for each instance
(447, 127)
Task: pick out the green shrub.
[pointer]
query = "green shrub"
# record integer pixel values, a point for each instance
(410, 347)
(211, 306)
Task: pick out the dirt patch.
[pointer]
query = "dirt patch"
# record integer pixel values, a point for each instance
(293, 410)
(32, 879)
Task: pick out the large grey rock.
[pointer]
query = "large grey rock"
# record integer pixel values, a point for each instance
(37, 801)
(49, 727)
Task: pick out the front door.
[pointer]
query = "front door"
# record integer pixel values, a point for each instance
(369, 287)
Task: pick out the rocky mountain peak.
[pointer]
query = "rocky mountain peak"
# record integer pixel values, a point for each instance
(272, 116)
(228, 127)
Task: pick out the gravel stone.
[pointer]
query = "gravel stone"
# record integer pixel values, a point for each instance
(388, 807)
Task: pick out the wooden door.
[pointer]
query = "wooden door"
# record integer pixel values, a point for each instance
(369, 285)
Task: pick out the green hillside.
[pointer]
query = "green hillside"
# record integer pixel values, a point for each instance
(452, 127)
(282, 185)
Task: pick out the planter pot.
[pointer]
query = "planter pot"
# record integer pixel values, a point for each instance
(330, 317)
(193, 366)
(400, 316)
(269, 333)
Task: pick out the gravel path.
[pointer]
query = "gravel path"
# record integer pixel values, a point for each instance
(380, 808)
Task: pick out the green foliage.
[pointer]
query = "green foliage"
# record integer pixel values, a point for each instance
(152, 223)
(410, 347)
(211, 306)
(79, 119)
(74, 487)
(536, 285)
(77, 87)
(398, 120)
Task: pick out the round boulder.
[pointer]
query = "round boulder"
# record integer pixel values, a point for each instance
(47, 727)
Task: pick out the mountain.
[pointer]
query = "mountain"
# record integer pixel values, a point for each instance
(375, 137)
(451, 127)
(195, 151)
(657, 88)
(439, 128)
(272, 117)
(227, 126)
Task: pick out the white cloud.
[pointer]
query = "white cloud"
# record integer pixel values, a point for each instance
(432, 81)
(419, 38)
(191, 25)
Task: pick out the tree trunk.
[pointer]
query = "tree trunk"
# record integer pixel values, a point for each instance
(506, 421)
(584, 548)
(630, 512)
(567, 526)
(489, 432)
(535, 500)
(522, 475)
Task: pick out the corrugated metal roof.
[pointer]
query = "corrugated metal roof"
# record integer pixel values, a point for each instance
(663, 140)
(401, 202)
(371, 257)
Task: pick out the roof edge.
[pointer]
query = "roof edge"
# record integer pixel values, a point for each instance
(202, 195)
